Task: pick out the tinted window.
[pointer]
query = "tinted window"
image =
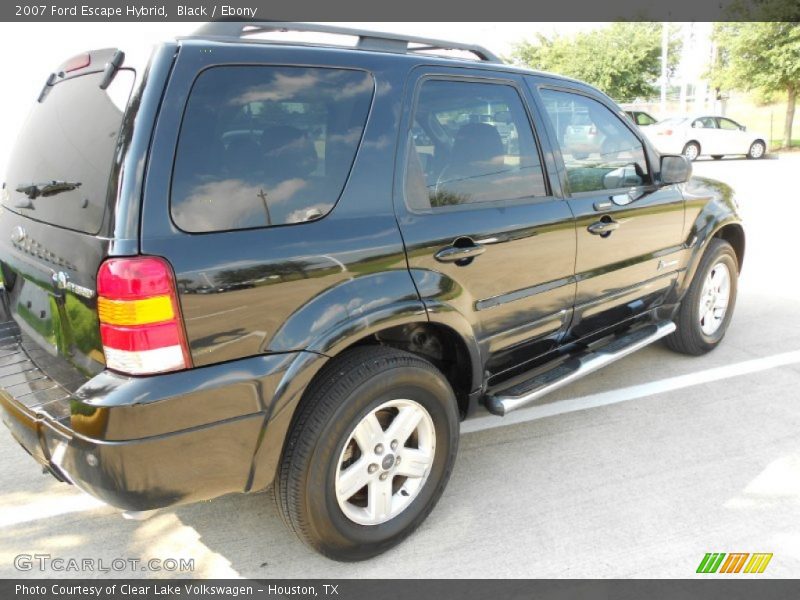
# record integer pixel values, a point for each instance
(599, 151)
(262, 146)
(470, 142)
(69, 137)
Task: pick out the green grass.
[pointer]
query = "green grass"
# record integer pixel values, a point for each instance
(776, 144)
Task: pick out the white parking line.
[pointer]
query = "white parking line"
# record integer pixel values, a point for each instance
(633, 392)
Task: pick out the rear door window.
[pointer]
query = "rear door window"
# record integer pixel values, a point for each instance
(704, 123)
(471, 142)
(60, 167)
(266, 146)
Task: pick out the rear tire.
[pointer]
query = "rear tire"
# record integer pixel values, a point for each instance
(706, 310)
(691, 151)
(757, 150)
(341, 485)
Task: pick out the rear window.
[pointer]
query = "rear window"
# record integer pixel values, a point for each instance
(65, 152)
(266, 146)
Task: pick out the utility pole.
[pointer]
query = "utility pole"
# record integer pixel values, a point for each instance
(664, 51)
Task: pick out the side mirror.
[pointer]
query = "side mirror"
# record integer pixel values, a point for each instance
(742, 127)
(675, 168)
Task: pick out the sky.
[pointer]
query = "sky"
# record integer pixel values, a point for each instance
(31, 51)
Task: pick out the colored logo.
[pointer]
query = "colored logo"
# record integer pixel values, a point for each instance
(737, 562)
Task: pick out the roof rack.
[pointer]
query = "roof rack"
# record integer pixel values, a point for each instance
(367, 40)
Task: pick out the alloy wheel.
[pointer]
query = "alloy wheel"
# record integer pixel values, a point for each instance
(757, 150)
(385, 462)
(714, 298)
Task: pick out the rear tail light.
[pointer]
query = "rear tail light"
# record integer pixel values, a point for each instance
(140, 319)
(592, 130)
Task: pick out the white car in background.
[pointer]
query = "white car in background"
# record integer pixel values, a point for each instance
(708, 135)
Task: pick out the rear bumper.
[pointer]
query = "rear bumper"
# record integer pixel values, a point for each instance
(148, 442)
(141, 474)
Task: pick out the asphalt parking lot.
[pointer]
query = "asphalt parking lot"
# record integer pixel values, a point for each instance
(635, 471)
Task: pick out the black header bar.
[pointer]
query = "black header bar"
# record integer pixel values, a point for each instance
(405, 10)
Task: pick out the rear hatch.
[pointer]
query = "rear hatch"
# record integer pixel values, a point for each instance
(57, 203)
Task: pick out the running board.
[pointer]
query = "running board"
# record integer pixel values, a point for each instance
(521, 394)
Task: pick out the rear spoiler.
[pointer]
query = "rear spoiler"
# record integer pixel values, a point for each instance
(107, 61)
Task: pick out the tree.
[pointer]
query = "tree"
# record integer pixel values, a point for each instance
(759, 56)
(623, 60)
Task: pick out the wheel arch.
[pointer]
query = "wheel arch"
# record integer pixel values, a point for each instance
(716, 217)
(438, 343)
(733, 233)
(446, 346)
(385, 308)
(696, 143)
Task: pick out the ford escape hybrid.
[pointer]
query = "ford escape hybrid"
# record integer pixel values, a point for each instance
(258, 263)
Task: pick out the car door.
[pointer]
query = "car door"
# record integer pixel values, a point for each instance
(706, 132)
(628, 228)
(488, 241)
(735, 140)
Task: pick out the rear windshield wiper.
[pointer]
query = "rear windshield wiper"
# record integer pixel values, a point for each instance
(49, 188)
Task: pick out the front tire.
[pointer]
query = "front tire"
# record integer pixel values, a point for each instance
(691, 151)
(757, 150)
(706, 310)
(369, 453)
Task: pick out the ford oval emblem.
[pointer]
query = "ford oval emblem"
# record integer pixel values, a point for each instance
(18, 234)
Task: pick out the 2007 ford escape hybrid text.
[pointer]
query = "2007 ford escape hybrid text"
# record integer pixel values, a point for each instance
(261, 263)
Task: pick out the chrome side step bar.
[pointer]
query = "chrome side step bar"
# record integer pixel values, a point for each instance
(517, 396)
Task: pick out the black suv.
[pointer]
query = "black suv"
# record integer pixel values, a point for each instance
(257, 263)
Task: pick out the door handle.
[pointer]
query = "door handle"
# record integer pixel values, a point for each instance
(455, 253)
(603, 227)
